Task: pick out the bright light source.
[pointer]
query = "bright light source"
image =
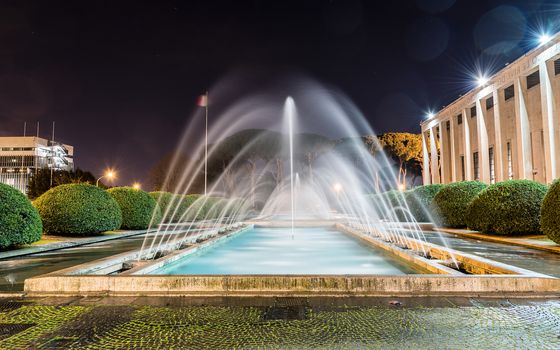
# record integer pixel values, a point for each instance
(136, 186)
(110, 174)
(482, 80)
(337, 187)
(402, 187)
(430, 115)
(544, 38)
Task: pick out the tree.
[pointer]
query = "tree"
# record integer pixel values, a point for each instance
(167, 173)
(406, 150)
(312, 146)
(41, 181)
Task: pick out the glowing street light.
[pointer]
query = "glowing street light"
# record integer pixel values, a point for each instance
(136, 186)
(109, 174)
(401, 187)
(544, 38)
(337, 187)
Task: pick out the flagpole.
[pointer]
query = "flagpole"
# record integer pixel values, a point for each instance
(206, 147)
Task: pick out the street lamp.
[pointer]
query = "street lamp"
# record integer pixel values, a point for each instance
(337, 187)
(136, 186)
(110, 174)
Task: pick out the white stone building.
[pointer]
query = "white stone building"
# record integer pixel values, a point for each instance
(21, 156)
(507, 128)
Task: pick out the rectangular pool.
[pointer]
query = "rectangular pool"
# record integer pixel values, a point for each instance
(273, 251)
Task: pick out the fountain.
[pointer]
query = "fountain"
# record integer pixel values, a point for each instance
(346, 238)
(254, 164)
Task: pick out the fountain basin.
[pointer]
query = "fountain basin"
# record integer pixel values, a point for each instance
(409, 273)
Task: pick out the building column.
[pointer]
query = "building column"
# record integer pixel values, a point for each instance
(482, 133)
(453, 156)
(425, 160)
(549, 120)
(442, 157)
(522, 131)
(498, 156)
(434, 156)
(467, 148)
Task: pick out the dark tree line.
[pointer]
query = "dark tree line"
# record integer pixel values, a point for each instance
(43, 180)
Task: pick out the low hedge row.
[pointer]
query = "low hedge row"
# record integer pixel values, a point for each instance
(507, 208)
(19, 220)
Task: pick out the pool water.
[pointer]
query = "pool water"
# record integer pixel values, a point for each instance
(274, 251)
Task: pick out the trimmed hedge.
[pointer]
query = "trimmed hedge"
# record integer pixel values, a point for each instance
(550, 212)
(19, 221)
(507, 208)
(137, 207)
(179, 205)
(78, 209)
(386, 204)
(450, 203)
(419, 201)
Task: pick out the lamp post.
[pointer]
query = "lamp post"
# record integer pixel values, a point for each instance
(110, 174)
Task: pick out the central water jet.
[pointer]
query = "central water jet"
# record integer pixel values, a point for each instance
(289, 113)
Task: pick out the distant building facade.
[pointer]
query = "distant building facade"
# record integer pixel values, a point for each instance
(21, 157)
(506, 129)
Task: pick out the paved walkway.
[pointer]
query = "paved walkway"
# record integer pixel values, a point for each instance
(70, 242)
(540, 242)
(279, 323)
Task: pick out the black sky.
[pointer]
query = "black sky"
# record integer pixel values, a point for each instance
(120, 77)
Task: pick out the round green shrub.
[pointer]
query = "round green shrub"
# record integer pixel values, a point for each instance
(78, 209)
(507, 208)
(137, 207)
(174, 206)
(391, 205)
(202, 208)
(419, 201)
(19, 221)
(550, 212)
(450, 203)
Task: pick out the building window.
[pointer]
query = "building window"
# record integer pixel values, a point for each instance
(447, 125)
(509, 161)
(459, 119)
(509, 92)
(491, 161)
(489, 103)
(475, 166)
(462, 168)
(533, 79)
(557, 67)
(473, 111)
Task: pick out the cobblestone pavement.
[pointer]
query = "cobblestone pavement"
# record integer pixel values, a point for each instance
(283, 323)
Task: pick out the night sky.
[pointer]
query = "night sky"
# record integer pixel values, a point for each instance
(120, 78)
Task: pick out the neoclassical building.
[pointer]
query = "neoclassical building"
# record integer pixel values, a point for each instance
(507, 128)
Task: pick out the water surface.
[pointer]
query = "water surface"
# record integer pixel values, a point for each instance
(273, 251)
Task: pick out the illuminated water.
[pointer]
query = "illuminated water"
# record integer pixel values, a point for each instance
(273, 251)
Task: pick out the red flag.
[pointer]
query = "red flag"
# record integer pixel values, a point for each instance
(202, 101)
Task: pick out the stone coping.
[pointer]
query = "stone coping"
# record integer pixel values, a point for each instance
(291, 285)
(521, 241)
